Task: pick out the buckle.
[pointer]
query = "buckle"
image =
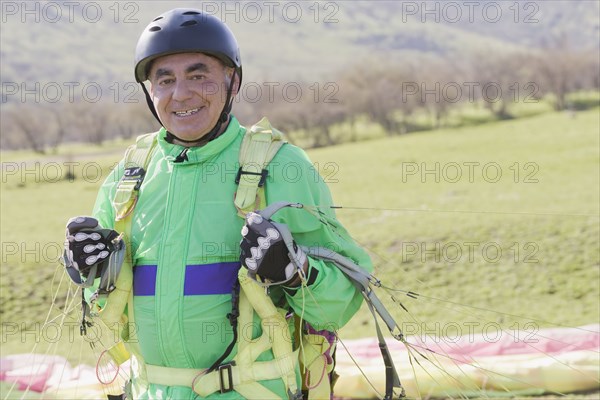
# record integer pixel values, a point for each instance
(263, 176)
(135, 174)
(226, 367)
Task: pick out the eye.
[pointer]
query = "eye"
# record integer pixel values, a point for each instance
(165, 81)
(197, 77)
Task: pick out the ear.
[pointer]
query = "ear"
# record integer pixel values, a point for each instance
(236, 84)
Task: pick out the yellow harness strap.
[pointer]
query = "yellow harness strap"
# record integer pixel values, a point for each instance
(316, 366)
(136, 159)
(259, 146)
(245, 372)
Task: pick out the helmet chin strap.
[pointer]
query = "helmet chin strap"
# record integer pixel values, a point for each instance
(213, 133)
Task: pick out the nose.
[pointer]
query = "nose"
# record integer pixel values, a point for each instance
(181, 91)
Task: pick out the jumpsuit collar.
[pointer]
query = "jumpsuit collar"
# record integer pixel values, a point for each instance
(203, 153)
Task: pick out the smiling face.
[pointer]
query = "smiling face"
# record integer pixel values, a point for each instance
(189, 92)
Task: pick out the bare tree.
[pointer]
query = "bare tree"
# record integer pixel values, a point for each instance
(91, 124)
(562, 68)
(30, 127)
(131, 119)
(379, 91)
(500, 78)
(307, 115)
(441, 88)
(319, 120)
(62, 121)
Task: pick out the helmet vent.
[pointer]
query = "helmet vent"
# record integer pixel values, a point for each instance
(191, 13)
(188, 23)
(155, 29)
(157, 18)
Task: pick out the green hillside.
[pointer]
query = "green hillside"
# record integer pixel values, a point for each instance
(293, 40)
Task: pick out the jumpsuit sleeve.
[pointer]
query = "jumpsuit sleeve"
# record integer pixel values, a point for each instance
(331, 300)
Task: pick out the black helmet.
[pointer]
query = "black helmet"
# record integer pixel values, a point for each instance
(184, 30)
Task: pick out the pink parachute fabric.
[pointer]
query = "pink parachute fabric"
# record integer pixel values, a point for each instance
(495, 363)
(52, 376)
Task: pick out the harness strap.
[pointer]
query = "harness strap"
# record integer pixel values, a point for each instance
(137, 158)
(274, 325)
(392, 381)
(112, 312)
(209, 383)
(260, 144)
(228, 376)
(118, 353)
(315, 357)
(172, 376)
(243, 373)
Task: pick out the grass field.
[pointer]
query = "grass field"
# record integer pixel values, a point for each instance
(541, 214)
(503, 217)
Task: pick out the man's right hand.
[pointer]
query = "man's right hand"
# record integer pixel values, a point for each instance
(87, 244)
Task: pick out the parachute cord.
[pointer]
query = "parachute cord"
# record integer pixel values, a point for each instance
(415, 346)
(26, 391)
(411, 357)
(505, 331)
(317, 210)
(80, 356)
(414, 295)
(359, 368)
(471, 314)
(307, 378)
(516, 337)
(443, 300)
(114, 378)
(65, 363)
(339, 340)
(439, 364)
(469, 211)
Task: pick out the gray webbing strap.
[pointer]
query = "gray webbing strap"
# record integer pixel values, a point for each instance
(113, 267)
(362, 280)
(271, 209)
(391, 375)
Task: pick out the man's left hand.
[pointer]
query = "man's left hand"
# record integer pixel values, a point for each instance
(264, 252)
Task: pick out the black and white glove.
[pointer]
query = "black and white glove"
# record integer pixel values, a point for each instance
(264, 251)
(86, 244)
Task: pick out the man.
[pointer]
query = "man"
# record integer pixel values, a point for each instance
(185, 230)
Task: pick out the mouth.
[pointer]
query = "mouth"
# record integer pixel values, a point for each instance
(187, 113)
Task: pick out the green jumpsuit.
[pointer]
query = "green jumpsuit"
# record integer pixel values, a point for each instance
(185, 239)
